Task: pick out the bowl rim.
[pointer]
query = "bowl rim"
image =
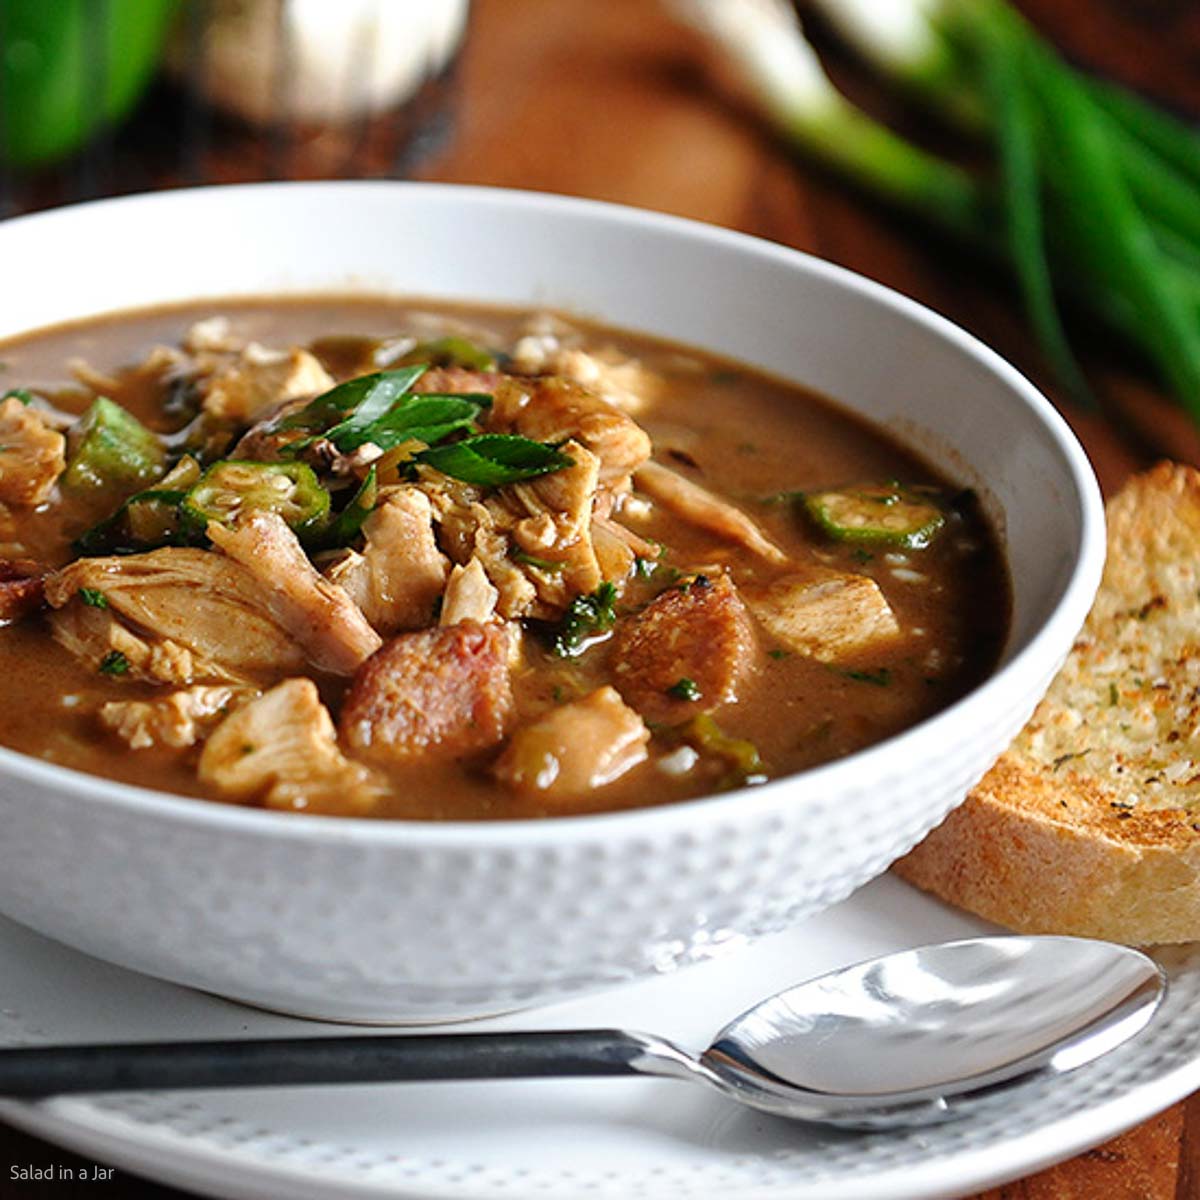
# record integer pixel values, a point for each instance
(1067, 615)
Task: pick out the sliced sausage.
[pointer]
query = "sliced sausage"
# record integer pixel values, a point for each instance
(686, 652)
(441, 691)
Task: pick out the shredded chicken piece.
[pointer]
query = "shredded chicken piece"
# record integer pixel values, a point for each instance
(469, 596)
(688, 651)
(32, 455)
(177, 615)
(548, 519)
(621, 381)
(282, 750)
(402, 572)
(318, 614)
(617, 547)
(22, 588)
(557, 410)
(105, 644)
(825, 614)
(259, 379)
(159, 363)
(439, 692)
(176, 721)
(575, 749)
(461, 380)
(554, 524)
(698, 505)
(213, 335)
(469, 528)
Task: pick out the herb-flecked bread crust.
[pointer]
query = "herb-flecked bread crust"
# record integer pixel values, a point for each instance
(1090, 823)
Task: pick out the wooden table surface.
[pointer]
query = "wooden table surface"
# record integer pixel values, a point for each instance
(608, 100)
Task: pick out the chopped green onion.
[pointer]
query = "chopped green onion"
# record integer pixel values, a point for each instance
(23, 394)
(146, 521)
(495, 459)
(93, 597)
(542, 564)
(343, 528)
(422, 418)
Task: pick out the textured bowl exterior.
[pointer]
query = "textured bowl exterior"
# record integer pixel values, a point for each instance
(383, 921)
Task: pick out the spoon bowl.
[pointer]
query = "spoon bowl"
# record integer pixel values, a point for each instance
(921, 1035)
(911, 1038)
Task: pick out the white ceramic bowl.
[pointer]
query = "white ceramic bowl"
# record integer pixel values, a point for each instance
(361, 920)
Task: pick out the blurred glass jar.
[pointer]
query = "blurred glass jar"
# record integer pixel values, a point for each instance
(320, 87)
(249, 90)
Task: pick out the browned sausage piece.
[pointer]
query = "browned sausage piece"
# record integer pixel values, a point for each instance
(686, 652)
(438, 691)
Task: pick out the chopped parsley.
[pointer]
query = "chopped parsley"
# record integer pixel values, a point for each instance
(685, 689)
(114, 663)
(1063, 759)
(586, 618)
(880, 678)
(93, 597)
(23, 394)
(1114, 697)
(778, 654)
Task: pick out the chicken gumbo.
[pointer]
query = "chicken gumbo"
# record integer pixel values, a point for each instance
(374, 558)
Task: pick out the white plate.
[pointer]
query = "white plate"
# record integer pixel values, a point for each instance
(559, 1139)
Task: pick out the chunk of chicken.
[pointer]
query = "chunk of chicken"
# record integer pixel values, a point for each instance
(161, 363)
(403, 572)
(458, 380)
(176, 615)
(698, 505)
(281, 750)
(686, 652)
(213, 335)
(554, 524)
(469, 528)
(617, 548)
(439, 692)
(548, 518)
(824, 614)
(22, 588)
(318, 614)
(176, 721)
(575, 749)
(469, 596)
(32, 455)
(259, 379)
(622, 382)
(103, 643)
(558, 410)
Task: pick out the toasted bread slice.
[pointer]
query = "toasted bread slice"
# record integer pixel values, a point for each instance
(1090, 823)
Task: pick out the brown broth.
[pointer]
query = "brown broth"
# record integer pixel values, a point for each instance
(742, 434)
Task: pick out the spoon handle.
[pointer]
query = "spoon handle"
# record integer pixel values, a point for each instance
(49, 1070)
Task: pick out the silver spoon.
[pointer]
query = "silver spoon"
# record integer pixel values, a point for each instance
(911, 1038)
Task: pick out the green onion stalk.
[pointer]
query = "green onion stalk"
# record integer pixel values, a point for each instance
(1093, 192)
